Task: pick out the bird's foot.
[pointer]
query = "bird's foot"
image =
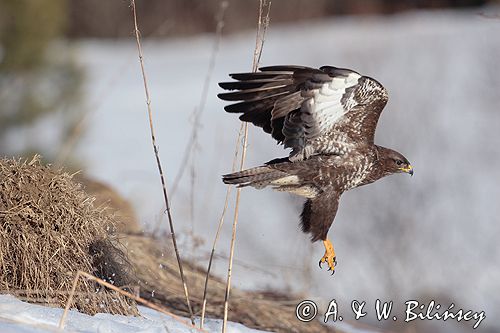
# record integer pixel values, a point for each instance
(329, 257)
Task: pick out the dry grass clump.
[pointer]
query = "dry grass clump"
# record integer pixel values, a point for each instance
(125, 216)
(49, 229)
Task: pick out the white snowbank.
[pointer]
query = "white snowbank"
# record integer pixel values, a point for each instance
(22, 317)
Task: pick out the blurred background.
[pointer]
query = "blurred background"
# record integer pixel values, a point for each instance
(71, 90)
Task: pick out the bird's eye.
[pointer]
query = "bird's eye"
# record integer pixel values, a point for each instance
(399, 162)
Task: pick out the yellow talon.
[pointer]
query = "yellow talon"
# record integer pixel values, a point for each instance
(329, 257)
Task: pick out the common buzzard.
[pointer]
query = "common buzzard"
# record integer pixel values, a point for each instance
(327, 116)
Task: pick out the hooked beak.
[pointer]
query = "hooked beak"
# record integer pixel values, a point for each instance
(408, 169)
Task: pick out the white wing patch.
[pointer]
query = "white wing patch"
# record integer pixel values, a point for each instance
(326, 104)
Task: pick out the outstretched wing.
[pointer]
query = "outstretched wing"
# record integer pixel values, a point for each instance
(298, 105)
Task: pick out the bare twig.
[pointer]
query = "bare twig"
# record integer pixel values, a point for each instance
(158, 163)
(204, 94)
(80, 125)
(263, 23)
(193, 141)
(191, 204)
(489, 16)
(70, 300)
(219, 228)
(122, 292)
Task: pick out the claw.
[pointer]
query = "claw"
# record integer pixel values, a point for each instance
(329, 257)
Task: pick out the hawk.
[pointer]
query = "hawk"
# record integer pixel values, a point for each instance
(327, 116)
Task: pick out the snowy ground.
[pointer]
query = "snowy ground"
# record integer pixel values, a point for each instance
(431, 236)
(21, 317)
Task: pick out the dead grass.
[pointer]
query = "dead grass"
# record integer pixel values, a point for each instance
(49, 229)
(106, 196)
(155, 268)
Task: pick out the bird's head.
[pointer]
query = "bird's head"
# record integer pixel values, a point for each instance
(393, 162)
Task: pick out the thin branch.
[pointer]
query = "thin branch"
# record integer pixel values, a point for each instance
(193, 141)
(158, 163)
(219, 228)
(69, 301)
(191, 146)
(192, 209)
(80, 125)
(489, 16)
(122, 292)
(259, 44)
(233, 235)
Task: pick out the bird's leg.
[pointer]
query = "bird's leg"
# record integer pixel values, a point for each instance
(329, 257)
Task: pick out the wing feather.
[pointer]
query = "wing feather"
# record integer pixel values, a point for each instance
(257, 75)
(308, 109)
(256, 93)
(244, 85)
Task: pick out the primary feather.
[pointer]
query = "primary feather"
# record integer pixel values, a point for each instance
(312, 111)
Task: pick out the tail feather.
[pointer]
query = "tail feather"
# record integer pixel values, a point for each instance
(258, 177)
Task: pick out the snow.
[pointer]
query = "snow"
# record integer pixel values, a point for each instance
(400, 238)
(432, 235)
(21, 317)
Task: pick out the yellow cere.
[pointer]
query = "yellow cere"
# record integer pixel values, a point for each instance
(407, 168)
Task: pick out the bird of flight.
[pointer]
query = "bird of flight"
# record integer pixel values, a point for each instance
(327, 116)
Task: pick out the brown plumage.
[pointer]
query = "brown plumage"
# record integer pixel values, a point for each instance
(328, 117)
